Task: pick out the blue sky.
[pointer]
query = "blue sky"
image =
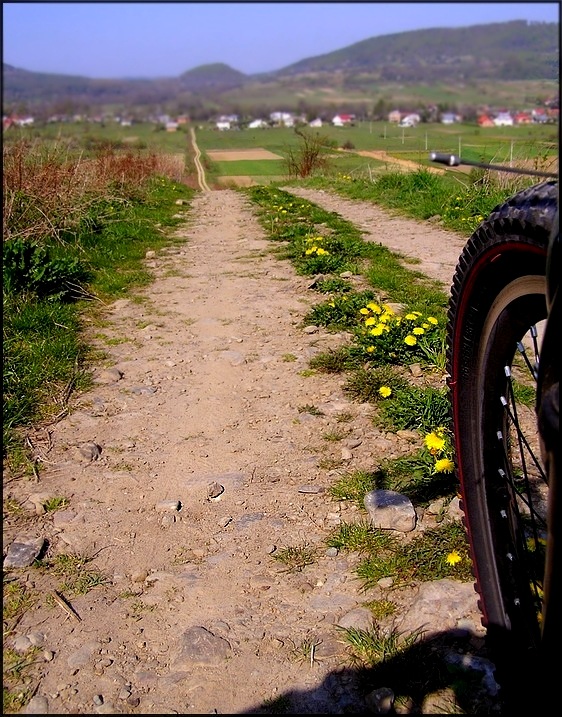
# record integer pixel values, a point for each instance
(118, 40)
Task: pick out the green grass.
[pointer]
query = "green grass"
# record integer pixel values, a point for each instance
(371, 647)
(295, 558)
(414, 407)
(487, 143)
(250, 168)
(89, 138)
(367, 384)
(460, 201)
(360, 537)
(74, 573)
(427, 557)
(45, 356)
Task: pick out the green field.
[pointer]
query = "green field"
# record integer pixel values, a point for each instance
(532, 144)
(91, 136)
(535, 145)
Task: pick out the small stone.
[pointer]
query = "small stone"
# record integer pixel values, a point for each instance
(23, 551)
(168, 505)
(214, 489)
(416, 369)
(385, 583)
(124, 692)
(37, 705)
(144, 390)
(110, 375)
(89, 451)
(36, 638)
(380, 701)
(22, 644)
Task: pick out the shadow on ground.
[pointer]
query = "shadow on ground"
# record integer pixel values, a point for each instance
(441, 675)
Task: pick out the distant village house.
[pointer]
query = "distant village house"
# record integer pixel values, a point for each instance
(343, 120)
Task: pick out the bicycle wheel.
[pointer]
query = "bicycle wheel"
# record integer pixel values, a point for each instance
(496, 316)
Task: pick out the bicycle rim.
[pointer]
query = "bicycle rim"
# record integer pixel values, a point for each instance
(496, 315)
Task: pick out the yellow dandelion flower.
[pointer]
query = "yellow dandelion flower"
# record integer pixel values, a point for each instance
(370, 321)
(364, 311)
(535, 543)
(310, 251)
(410, 340)
(370, 349)
(444, 465)
(322, 252)
(377, 330)
(374, 307)
(385, 391)
(418, 331)
(432, 320)
(411, 316)
(434, 441)
(453, 558)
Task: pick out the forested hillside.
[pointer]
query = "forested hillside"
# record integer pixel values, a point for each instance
(500, 52)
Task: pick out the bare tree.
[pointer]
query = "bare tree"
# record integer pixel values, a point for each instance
(310, 155)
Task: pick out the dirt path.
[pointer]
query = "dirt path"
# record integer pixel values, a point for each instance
(394, 162)
(201, 179)
(426, 248)
(194, 461)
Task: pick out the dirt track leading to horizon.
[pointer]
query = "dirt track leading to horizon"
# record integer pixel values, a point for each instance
(191, 464)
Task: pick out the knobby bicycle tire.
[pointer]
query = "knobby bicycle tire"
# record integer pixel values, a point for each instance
(498, 299)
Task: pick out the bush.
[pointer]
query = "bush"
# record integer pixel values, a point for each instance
(30, 267)
(310, 156)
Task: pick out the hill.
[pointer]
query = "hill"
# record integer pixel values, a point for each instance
(508, 52)
(514, 50)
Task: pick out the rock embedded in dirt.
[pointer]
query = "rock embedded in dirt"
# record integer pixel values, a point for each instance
(390, 510)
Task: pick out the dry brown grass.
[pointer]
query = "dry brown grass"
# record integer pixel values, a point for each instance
(47, 189)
